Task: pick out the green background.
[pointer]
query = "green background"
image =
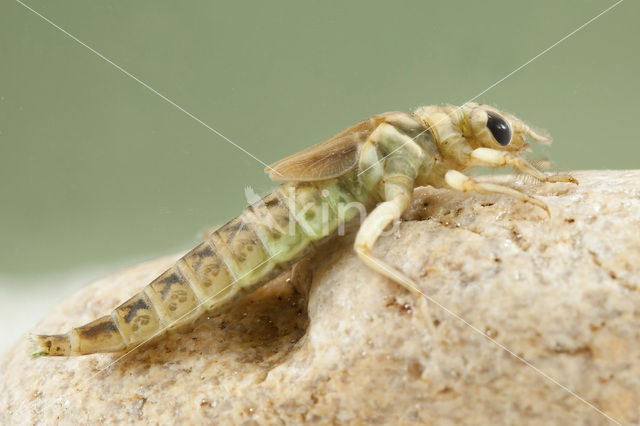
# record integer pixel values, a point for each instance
(97, 170)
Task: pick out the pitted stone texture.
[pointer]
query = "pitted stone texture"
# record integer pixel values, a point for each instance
(562, 293)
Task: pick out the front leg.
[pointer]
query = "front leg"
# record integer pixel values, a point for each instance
(494, 158)
(464, 183)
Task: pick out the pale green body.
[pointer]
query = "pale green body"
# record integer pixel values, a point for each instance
(371, 167)
(242, 255)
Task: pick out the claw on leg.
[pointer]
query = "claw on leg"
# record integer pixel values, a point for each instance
(461, 182)
(562, 178)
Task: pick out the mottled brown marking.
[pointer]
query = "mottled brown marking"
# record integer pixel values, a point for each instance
(240, 238)
(232, 227)
(134, 308)
(97, 331)
(205, 251)
(272, 202)
(167, 282)
(139, 321)
(177, 296)
(208, 269)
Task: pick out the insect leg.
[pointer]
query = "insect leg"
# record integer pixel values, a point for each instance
(396, 173)
(398, 178)
(464, 183)
(383, 215)
(495, 158)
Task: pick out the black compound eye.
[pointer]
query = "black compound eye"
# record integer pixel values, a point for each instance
(499, 128)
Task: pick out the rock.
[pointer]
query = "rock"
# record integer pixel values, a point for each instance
(561, 293)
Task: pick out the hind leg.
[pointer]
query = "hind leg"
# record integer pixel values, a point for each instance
(301, 275)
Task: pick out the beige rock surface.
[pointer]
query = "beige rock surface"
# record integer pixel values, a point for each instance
(562, 293)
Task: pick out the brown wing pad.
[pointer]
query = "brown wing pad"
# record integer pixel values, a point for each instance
(325, 160)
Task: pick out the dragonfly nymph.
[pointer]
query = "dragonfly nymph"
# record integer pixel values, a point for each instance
(366, 172)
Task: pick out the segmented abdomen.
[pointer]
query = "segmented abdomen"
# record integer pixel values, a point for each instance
(242, 255)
